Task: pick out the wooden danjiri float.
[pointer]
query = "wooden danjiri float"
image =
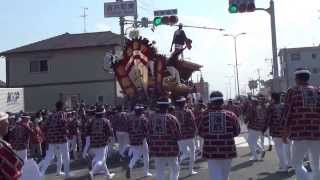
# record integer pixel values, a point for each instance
(144, 75)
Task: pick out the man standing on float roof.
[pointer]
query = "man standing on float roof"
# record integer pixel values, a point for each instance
(302, 124)
(179, 39)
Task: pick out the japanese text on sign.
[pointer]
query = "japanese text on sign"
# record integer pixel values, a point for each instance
(120, 9)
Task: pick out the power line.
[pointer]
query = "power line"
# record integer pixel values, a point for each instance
(203, 27)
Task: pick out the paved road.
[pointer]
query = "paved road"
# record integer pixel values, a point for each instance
(242, 168)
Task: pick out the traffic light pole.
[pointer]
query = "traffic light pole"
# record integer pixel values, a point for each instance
(271, 11)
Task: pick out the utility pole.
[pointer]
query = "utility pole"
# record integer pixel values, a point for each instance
(84, 16)
(135, 24)
(271, 12)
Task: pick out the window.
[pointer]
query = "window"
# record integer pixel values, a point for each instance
(43, 66)
(314, 56)
(39, 66)
(315, 70)
(295, 56)
(100, 99)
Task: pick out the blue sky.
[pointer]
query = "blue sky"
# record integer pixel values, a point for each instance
(24, 22)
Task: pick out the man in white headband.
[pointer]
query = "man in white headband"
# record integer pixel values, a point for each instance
(56, 137)
(257, 125)
(100, 133)
(164, 133)
(20, 136)
(188, 132)
(218, 128)
(302, 124)
(138, 131)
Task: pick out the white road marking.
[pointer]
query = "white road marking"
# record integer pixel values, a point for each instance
(241, 141)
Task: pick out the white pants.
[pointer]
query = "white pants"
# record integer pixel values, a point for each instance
(136, 152)
(179, 47)
(187, 147)
(99, 160)
(61, 151)
(160, 164)
(56, 154)
(23, 154)
(299, 150)
(219, 169)
(123, 140)
(73, 146)
(262, 140)
(199, 143)
(253, 137)
(151, 67)
(283, 152)
(174, 73)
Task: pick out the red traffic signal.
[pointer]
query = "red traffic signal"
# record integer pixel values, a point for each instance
(174, 19)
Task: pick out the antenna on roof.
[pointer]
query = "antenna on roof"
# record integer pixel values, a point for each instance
(84, 16)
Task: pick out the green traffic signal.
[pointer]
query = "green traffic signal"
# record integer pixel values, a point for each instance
(233, 8)
(157, 21)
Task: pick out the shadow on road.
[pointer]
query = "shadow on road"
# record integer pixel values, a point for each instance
(242, 165)
(276, 175)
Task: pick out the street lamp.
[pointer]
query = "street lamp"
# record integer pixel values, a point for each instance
(236, 56)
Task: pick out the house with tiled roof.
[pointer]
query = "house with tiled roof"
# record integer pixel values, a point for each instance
(70, 67)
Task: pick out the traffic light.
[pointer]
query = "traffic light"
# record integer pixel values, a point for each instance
(165, 20)
(241, 6)
(233, 8)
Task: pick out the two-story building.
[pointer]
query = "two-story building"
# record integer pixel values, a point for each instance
(293, 58)
(70, 67)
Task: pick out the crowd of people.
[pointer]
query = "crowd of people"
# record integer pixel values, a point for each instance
(170, 133)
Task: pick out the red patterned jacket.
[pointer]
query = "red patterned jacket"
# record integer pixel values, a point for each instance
(257, 117)
(164, 133)
(302, 112)
(84, 125)
(198, 114)
(233, 108)
(119, 122)
(20, 135)
(10, 163)
(37, 137)
(187, 123)
(73, 127)
(275, 124)
(218, 128)
(100, 132)
(137, 129)
(55, 128)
